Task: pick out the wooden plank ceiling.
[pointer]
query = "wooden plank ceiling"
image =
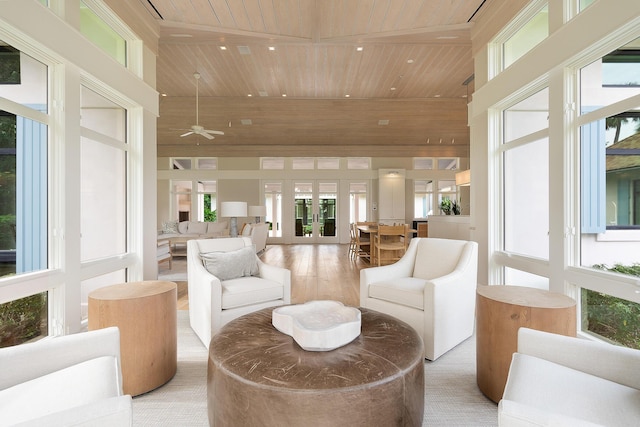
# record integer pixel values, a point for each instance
(293, 82)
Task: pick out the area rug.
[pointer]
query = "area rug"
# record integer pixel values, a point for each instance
(452, 397)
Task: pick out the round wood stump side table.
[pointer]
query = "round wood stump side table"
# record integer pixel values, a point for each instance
(146, 314)
(500, 312)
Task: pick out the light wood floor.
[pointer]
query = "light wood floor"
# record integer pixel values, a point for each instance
(317, 272)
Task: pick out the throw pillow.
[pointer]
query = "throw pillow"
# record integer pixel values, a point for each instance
(169, 227)
(246, 230)
(233, 264)
(197, 227)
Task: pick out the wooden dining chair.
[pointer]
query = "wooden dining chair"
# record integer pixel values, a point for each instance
(353, 231)
(391, 243)
(362, 245)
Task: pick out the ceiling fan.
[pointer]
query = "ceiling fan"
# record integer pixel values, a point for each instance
(197, 129)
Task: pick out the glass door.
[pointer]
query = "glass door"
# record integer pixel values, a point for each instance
(315, 212)
(273, 203)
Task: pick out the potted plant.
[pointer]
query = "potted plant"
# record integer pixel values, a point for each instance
(455, 207)
(446, 206)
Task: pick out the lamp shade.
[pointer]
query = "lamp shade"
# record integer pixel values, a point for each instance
(257, 210)
(463, 178)
(233, 209)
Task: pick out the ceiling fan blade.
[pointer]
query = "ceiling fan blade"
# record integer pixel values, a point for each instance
(186, 134)
(215, 132)
(206, 135)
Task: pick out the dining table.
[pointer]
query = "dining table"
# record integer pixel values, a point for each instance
(371, 231)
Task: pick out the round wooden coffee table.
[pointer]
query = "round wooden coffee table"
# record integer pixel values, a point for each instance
(500, 312)
(146, 314)
(260, 376)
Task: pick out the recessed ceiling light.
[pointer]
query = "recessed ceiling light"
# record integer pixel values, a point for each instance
(347, 96)
(383, 122)
(223, 48)
(464, 96)
(246, 122)
(393, 88)
(163, 94)
(244, 50)
(284, 95)
(437, 96)
(359, 48)
(272, 48)
(409, 61)
(249, 94)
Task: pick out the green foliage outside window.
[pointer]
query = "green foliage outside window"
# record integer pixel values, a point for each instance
(22, 320)
(209, 215)
(7, 181)
(613, 318)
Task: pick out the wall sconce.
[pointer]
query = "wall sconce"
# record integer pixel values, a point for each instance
(233, 210)
(257, 212)
(463, 178)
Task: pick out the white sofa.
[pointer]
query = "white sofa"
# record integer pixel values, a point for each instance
(556, 380)
(72, 380)
(258, 233)
(432, 288)
(194, 229)
(213, 300)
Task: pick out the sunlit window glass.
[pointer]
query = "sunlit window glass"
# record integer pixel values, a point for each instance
(422, 202)
(101, 34)
(527, 37)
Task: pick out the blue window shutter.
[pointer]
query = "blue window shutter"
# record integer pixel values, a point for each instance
(593, 177)
(31, 195)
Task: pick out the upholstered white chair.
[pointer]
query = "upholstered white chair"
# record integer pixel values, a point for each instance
(71, 380)
(258, 232)
(432, 288)
(555, 380)
(233, 282)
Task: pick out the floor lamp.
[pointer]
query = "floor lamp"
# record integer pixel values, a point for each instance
(233, 210)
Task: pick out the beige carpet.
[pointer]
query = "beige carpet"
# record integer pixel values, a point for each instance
(178, 271)
(452, 397)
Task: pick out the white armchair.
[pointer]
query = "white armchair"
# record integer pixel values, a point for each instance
(432, 288)
(258, 233)
(68, 380)
(555, 380)
(213, 301)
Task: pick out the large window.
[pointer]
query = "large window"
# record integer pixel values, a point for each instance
(563, 162)
(71, 180)
(610, 189)
(526, 176)
(23, 190)
(103, 177)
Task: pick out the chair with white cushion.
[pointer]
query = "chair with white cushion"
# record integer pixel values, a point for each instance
(432, 288)
(226, 280)
(71, 380)
(555, 380)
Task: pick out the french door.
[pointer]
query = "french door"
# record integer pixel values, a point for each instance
(273, 203)
(315, 205)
